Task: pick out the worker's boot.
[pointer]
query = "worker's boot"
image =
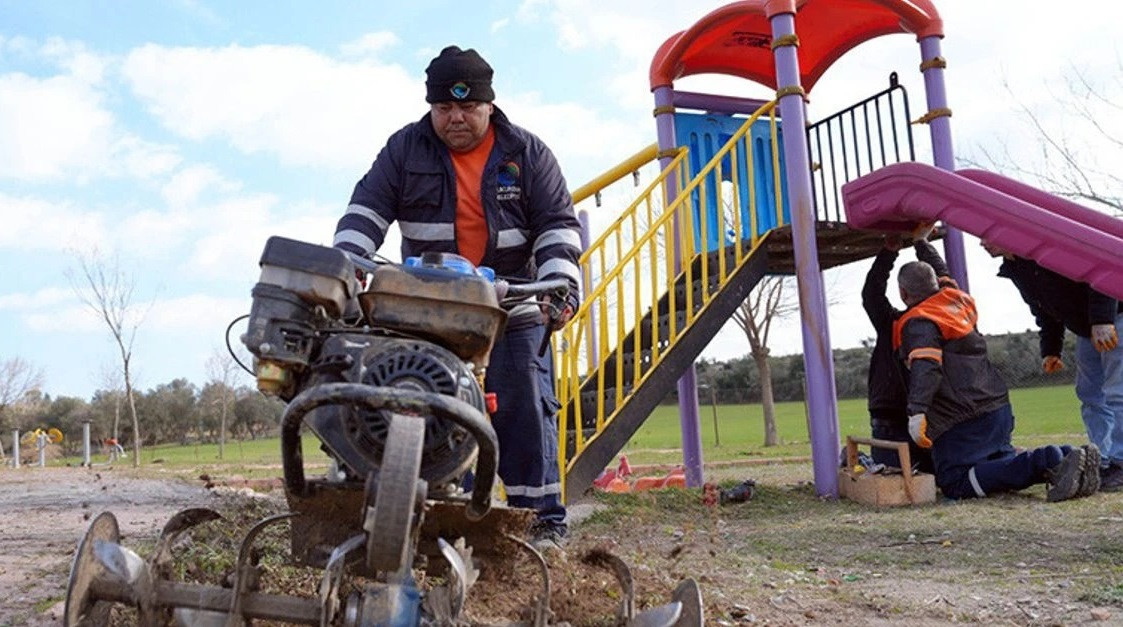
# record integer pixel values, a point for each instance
(1063, 480)
(1090, 476)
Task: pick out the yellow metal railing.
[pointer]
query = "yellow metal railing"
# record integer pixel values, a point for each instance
(625, 167)
(638, 260)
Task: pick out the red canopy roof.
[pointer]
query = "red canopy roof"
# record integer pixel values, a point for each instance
(736, 38)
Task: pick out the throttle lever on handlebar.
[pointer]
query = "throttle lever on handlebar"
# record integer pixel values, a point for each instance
(553, 314)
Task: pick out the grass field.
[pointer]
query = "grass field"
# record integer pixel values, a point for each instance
(1046, 414)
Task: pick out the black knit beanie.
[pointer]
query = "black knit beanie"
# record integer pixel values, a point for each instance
(458, 75)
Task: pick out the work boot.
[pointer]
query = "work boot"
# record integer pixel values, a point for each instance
(1063, 480)
(547, 538)
(1090, 474)
(1111, 478)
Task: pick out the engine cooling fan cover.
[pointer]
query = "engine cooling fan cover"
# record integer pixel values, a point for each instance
(357, 436)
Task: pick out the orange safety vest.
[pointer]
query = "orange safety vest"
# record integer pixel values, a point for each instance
(951, 309)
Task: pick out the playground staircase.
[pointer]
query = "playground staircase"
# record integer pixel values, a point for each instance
(666, 275)
(620, 393)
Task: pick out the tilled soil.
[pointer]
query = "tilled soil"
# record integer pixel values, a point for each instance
(782, 558)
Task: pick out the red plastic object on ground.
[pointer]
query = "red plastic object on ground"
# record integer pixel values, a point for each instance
(604, 479)
(624, 469)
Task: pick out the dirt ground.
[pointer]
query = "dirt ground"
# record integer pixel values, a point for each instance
(783, 558)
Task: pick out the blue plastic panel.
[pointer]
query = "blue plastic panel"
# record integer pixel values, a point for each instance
(704, 135)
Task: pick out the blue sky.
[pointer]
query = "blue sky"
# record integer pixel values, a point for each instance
(180, 135)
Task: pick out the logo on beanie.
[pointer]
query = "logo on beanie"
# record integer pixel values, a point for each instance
(460, 91)
(508, 179)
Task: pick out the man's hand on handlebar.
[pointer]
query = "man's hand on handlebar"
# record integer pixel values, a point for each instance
(556, 314)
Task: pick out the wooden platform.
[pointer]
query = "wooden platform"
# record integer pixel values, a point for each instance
(838, 244)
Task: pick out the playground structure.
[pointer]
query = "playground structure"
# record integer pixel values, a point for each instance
(739, 198)
(40, 439)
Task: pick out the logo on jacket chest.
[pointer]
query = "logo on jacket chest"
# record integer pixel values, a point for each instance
(509, 180)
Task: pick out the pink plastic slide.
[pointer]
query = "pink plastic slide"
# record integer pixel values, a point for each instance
(1077, 242)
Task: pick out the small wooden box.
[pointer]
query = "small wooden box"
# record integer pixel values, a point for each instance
(880, 490)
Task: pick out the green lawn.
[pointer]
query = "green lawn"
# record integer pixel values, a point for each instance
(248, 458)
(1046, 414)
(1043, 415)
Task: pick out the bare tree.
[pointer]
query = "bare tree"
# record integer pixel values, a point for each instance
(111, 382)
(767, 303)
(18, 377)
(770, 301)
(223, 370)
(107, 289)
(1075, 138)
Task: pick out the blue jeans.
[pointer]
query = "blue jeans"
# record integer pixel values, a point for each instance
(975, 458)
(1099, 386)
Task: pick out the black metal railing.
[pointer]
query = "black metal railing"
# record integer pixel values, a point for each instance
(859, 139)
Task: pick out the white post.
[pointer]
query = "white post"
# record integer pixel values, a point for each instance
(86, 443)
(41, 443)
(15, 448)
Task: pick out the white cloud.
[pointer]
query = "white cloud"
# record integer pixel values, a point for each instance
(303, 107)
(52, 128)
(40, 224)
(78, 61)
(600, 143)
(40, 299)
(186, 186)
(237, 229)
(135, 157)
(370, 44)
(194, 312)
(75, 319)
(59, 127)
(499, 25)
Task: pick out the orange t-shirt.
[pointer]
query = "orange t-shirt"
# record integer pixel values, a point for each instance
(471, 224)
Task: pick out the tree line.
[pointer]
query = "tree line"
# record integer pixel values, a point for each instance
(177, 412)
(738, 381)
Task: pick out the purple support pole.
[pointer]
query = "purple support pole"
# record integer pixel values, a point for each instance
(822, 408)
(587, 285)
(689, 421)
(943, 156)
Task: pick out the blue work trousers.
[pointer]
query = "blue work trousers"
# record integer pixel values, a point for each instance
(526, 424)
(975, 459)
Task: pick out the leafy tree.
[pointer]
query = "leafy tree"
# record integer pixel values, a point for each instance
(256, 414)
(171, 412)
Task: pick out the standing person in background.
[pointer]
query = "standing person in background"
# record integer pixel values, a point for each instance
(1058, 303)
(888, 392)
(959, 406)
(465, 180)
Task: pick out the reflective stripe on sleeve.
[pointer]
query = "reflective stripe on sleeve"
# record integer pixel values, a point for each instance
(560, 266)
(926, 352)
(558, 236)
(369, 214)
(427, 231)
(509, 238)
(351, 236)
